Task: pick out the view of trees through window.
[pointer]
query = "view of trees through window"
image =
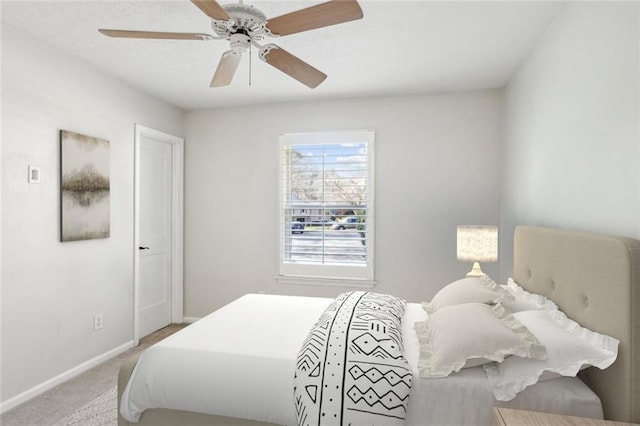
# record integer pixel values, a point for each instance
(325, 202)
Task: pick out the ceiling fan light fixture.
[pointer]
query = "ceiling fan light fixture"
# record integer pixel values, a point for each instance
(239, 42)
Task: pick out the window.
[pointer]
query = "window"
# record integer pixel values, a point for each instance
(326, 205)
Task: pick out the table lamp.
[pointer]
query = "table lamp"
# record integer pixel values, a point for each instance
(477, 244)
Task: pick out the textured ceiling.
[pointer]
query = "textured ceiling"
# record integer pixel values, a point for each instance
(399, 47)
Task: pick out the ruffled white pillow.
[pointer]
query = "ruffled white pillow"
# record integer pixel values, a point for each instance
(569, 347)
(468, 290)
(471, 334)
(525, 301)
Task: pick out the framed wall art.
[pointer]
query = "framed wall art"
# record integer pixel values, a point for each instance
(84, 187)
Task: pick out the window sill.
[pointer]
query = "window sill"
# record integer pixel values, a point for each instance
(326, 282)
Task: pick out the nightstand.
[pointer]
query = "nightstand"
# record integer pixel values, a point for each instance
(509, 417)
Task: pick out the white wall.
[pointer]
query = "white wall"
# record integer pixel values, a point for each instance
(572, 127)
(51, 290)
(437, 166)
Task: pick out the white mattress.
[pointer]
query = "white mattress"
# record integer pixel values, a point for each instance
(239, 362)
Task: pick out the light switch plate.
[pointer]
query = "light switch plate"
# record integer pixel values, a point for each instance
(34, 174)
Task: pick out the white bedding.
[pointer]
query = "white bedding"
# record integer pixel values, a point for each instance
(465, 398)
(239, 362)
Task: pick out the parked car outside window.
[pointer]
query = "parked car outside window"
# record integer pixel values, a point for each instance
(348, 223)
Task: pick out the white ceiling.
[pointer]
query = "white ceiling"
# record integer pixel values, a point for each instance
(399, 47)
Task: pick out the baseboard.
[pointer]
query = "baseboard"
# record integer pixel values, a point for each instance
(69, 374)
(190, 320)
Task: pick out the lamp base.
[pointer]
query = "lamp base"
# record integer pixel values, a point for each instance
(476, 271)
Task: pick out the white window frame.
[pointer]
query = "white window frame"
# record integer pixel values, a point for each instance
(355, 276)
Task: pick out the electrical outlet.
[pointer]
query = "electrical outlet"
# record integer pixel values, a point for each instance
(97, 321)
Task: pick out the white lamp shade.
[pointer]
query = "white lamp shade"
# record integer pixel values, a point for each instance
(478, 243)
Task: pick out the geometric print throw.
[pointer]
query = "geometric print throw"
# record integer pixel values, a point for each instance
(351, 370)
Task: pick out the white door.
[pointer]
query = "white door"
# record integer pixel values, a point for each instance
(155, 245)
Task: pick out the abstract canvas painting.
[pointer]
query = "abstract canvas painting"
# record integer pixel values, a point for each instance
(84, 181)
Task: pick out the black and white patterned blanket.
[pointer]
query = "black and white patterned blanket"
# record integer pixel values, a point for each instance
(351, 370)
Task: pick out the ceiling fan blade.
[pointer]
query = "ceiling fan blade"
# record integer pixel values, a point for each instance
(292, 65)
(226, 69)
(155, 35)
(318, 16)
(212, 9)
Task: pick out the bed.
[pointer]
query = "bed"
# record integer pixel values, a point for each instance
(567, 267)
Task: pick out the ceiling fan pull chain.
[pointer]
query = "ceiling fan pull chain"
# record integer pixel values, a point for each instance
(250, 65)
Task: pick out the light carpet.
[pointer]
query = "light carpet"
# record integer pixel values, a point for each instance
(100, 411)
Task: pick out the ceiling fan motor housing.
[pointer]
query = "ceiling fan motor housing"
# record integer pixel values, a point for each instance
(245, 19)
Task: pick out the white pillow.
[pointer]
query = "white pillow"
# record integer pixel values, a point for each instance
(471, 334)
(525, 301)
(468, 290)
(569, 348)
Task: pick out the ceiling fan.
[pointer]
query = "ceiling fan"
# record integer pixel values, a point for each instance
(245, 25)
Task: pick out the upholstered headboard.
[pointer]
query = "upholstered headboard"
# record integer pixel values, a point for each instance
(595, 280)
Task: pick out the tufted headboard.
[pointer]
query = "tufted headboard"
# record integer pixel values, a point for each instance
(595, 280)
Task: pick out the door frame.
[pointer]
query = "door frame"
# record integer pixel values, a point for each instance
(177, 225)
